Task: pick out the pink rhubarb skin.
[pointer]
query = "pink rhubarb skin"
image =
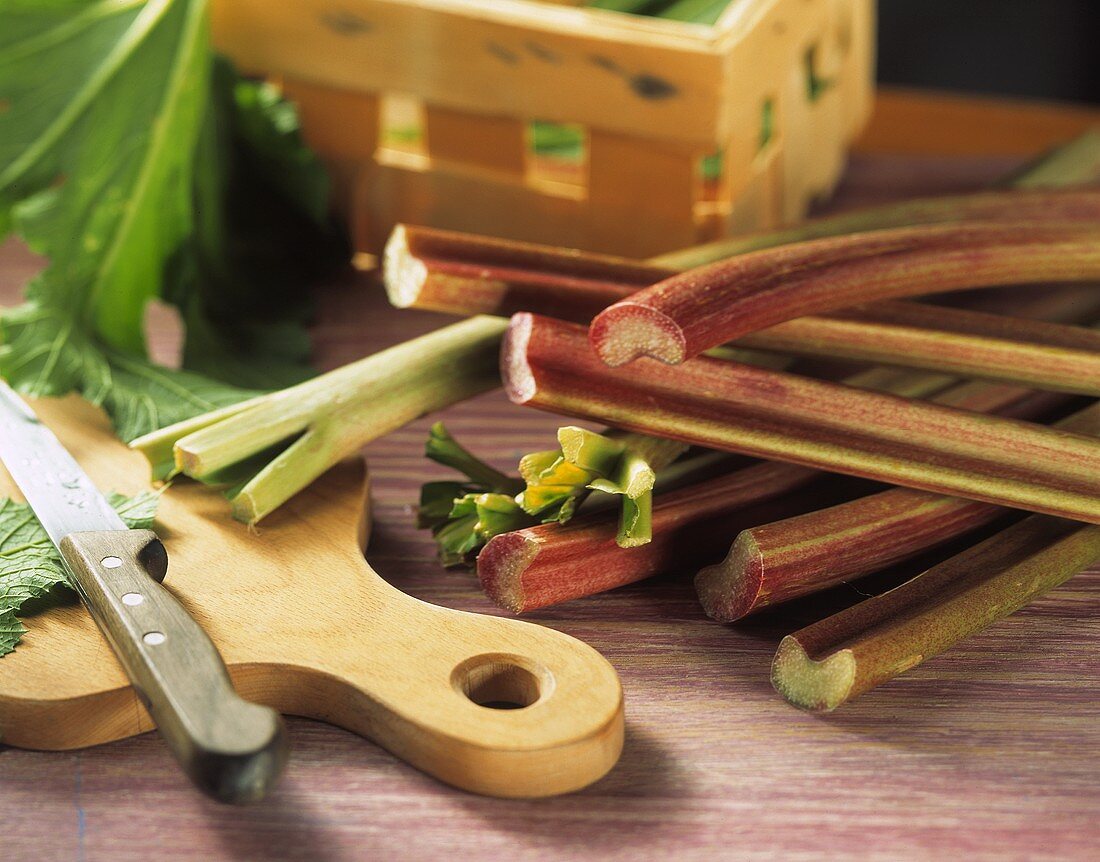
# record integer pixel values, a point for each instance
(771, 414)
(693, 311)
(776, 562)
(445, 271)
(544, 565)
(468, 274)
(835, 660)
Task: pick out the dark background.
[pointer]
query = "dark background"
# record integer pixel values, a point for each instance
(1033, 48)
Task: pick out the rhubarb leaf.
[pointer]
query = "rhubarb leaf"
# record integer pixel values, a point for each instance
(615, 462)
(444, 449)
(104, 102)
(30, 567)
(138, 174)
(262, 231)
(141, 396)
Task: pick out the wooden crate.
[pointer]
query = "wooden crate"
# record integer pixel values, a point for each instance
(424, 109)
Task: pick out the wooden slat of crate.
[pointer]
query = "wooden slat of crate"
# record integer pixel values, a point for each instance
(812, 136)
(758, 204)
(338, 123)
(510, 57)
(641, 187)
(494, 205)
(811, 168)
(477, 140)
(478, 202)
(854, 24)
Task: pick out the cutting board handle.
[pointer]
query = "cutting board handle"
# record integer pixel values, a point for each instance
(492, 705)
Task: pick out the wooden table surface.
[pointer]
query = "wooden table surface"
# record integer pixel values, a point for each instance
(988, 751)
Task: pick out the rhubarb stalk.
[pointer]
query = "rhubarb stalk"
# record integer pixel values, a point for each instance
(772, 414)
(536, 566)
(547, 564)
(784, 560)
(541, 565)
(450, 272)
(837, 659)
(688, 313)
(467, 274)
(271, 447)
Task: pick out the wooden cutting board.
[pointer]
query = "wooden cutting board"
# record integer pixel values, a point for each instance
(306, 626)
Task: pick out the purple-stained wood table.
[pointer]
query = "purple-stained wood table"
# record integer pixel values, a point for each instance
(991, 750)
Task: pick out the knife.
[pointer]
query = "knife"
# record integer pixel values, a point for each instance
(232, 749)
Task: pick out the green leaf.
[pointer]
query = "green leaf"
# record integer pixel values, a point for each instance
(437, 501)
(463, 516)
(105, 101)
(44, 355)
(615, 462)
(140, 169)
(11, 631)
(261, 232)
(444, 449)
(30, 566)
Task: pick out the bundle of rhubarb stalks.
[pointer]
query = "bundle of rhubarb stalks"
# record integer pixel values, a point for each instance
(786, 412)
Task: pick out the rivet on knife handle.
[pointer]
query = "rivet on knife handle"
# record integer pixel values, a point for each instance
(232, 749)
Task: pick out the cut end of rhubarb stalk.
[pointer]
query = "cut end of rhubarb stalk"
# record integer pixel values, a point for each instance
(519, 379)
(729, 590)
(243, 508)
(500, 568)
(187, 462)
(403, 274)
(820, 686)
(627, 330)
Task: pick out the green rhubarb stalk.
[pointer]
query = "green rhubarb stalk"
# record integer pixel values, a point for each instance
(1072, 163)
(776, 562)
(300, 432)
(837, 659)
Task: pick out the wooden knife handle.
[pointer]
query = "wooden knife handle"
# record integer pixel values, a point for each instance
(232, 749)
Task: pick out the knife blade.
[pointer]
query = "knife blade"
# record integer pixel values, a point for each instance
(232, 749)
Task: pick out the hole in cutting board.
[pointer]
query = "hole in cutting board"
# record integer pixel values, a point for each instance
(498, 681)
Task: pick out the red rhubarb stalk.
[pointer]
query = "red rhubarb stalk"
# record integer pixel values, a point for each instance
(538, 566)
(835, 660)
(467, 274)
(773, 414)
(544, 565)
(784, 560)
(688, 313)
(445, 271)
